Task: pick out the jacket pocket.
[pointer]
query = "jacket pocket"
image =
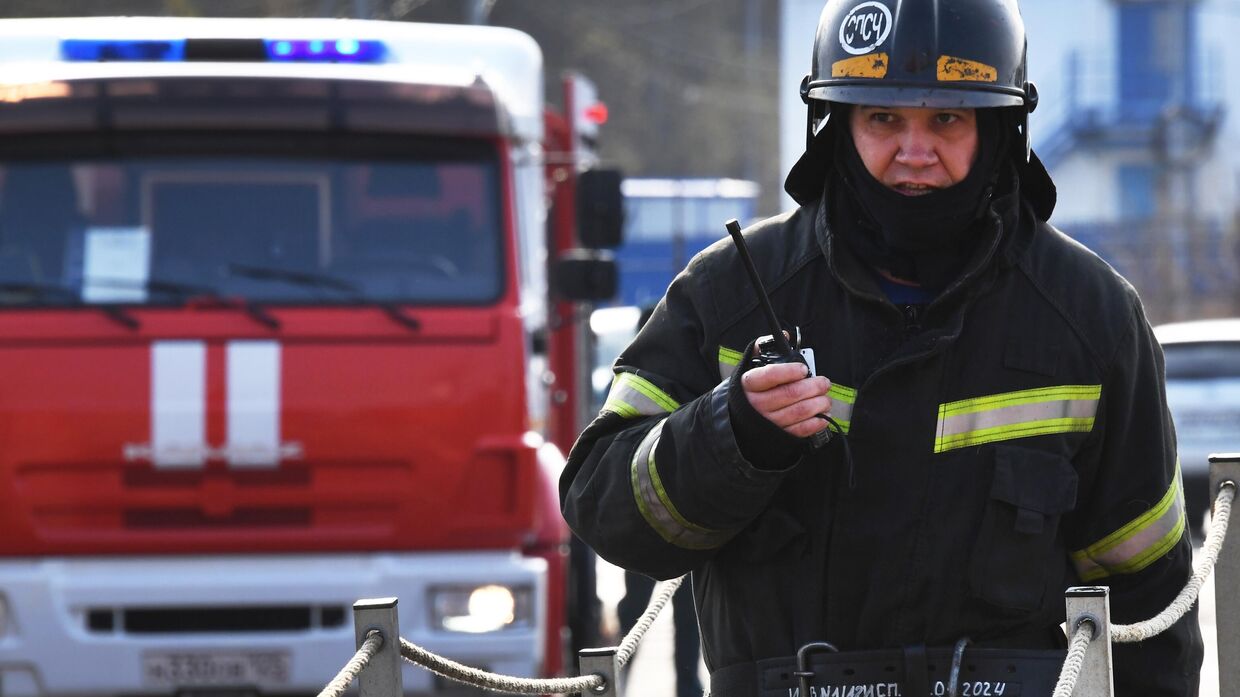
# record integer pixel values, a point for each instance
(1018, 552)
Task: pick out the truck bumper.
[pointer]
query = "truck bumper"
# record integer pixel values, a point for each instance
(261, 624)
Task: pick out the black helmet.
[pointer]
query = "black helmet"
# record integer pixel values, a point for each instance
(935, 53)
(920, 53)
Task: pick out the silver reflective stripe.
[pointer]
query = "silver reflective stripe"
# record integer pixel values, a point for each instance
(632, 395)
(657, 508)
(1141, 542)
(1021, 414)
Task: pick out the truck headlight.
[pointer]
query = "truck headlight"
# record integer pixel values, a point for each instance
(478, 609)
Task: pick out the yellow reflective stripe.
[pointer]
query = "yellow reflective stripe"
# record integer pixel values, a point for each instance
(648, 389)
(1019, 414)
(840, 392)
(842, 400)
(1001, 433)
(1007, 399)
(618, 406)
(1141, 542)
(632, 396)
(729, 361)
(656, 506)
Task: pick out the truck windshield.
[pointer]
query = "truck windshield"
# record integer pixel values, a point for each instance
(158, 230)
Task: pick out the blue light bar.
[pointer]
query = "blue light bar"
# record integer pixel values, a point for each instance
(326, 50)
(94, 50)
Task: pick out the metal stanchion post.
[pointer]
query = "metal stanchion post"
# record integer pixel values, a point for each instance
(381, 677)
(601, 662)
(1094, 604)
(1226, 467)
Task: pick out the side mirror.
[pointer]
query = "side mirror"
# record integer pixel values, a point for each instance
(600, 209)
(585, 275)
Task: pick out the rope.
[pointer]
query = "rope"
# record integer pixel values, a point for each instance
(1071, 671)
(662, 594)
(1128, 633)
(347, 674)
(493, 681)
(526, 686)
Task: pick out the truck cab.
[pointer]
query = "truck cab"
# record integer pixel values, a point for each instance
(273, 319)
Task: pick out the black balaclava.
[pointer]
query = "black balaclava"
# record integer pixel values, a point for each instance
(926, 239)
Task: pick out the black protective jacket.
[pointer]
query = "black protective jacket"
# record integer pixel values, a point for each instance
(1008, 441)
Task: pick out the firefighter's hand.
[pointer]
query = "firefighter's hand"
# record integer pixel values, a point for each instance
(783, 395)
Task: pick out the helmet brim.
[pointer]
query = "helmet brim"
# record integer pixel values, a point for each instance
(897, 95)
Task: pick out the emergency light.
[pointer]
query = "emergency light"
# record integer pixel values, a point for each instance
(326, 50)
(277, 50)
(95, 50)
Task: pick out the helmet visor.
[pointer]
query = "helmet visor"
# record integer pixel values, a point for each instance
(895, 95)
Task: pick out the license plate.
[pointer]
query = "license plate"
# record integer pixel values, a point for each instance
(216, 669)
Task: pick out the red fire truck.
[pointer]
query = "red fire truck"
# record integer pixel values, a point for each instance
(286, 320)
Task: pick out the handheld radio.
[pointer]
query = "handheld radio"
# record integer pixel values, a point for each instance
(775, 348)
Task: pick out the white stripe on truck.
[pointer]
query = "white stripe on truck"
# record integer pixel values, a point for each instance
(253, 404)
(178, 403)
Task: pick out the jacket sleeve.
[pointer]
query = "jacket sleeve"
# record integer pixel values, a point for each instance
(656, 483)
(1129, 531)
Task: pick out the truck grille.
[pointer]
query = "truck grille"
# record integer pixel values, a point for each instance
(200, 620)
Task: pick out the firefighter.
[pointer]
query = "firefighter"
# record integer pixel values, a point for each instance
(997, 391)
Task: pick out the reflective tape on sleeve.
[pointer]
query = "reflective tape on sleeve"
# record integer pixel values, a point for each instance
(1141, 542)
(657, 508)
(632, 396)
(1022, 414)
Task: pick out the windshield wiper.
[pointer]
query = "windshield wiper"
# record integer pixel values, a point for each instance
(307, 279)
(42, 291)
(310, 279)
(187, 291)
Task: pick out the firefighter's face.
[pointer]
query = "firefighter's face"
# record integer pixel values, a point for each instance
(915, 150)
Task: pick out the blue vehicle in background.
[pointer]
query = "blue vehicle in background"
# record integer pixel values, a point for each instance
(667, 222)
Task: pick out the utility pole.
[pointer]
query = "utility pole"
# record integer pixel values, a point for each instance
(480, 11)
(752, 42)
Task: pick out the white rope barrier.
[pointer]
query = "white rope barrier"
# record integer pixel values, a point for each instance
(1128, 633)
(1072, 664)
(346, 676)
(493, 681)
(659, 599)
(1140, 631)
(528, 686)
